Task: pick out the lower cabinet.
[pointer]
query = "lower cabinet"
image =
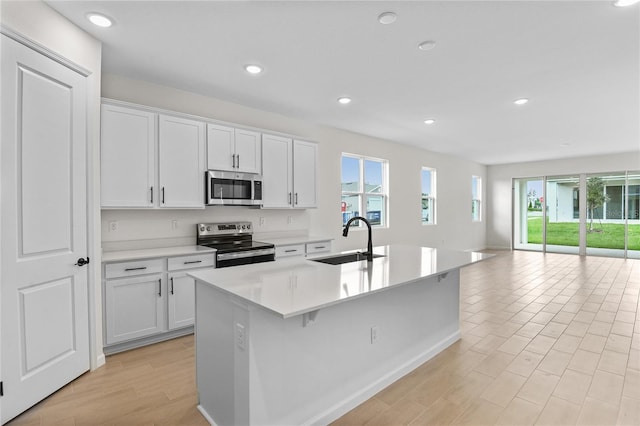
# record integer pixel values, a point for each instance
(134, 307)
(158, 300)
(181, 298)
(302, 249)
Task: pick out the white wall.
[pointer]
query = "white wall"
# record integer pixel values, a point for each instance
(499, 210)
(454, 228)
(38, 22)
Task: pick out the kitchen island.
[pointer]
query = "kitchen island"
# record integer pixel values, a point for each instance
(302, 342)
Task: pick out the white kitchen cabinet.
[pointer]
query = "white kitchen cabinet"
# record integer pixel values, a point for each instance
(181, 160)
(127, 153)
(134, 307)
(235, 150)
(288, 172)
(181, 300)
(151, 160)
(149, 300)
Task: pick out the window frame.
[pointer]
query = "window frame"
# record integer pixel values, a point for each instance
(476, 203)
(431, 198)
(362, 195)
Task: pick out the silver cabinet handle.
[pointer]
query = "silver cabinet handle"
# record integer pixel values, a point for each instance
(289, 198)
(320, 247)
(171, 285)
(136, 269)
(152, 195)
(296, 198)
(290, 251)
(238, 161)
(159, 287)
(163, 195)
(193, 261)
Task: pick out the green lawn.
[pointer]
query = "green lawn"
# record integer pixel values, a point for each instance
(606, 235)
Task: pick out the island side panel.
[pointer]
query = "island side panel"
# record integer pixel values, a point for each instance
(314, 374)
(215, 354)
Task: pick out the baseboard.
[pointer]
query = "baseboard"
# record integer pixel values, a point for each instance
(206, 415)
(338, 410)
(137, 343)
(100, 361)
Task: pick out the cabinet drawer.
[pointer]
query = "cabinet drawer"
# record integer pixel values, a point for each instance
(292, 250)
(189, 262)
(319, 247)
(138, 267)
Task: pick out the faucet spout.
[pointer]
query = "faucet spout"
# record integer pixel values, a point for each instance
(345, 232)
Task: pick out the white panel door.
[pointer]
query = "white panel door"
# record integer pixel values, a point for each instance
(304, 174)
(220, 147)
(127, 156)
(182, 300)
(44, 311)
(247, 151)
(276, 172)
(181, 148)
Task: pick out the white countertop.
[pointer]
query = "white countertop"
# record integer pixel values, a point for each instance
(295, 286)
(124, 255)
(293, 240)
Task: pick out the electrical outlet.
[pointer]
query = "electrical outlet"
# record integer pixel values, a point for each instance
(240, 337)
(174, 224)
(374, 334)
(113, 226)
(261, 221)
(289, 220)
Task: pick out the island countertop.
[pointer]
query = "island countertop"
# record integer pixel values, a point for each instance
(296, 286)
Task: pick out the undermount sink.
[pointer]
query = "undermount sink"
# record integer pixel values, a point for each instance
(344, 258)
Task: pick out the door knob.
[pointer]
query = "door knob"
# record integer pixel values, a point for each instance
(82, 261)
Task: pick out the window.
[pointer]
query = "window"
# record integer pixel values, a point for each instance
(364, 189)
(476, 198)
(428, 196)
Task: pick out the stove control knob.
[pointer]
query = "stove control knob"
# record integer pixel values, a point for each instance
(249, 226)
(244, 226)
(202, 229)
(208, 228)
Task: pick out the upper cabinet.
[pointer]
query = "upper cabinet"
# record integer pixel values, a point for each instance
(127, 153)
(288, 172)
(231, 149)
(151, 160)
(181, 160)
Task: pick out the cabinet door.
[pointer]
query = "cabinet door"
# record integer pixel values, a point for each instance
(181, 162)
(134, 307)
(247, 151)
(220, 147)
(127, 157)
(276, 172)
(182, 300)
(304, 174)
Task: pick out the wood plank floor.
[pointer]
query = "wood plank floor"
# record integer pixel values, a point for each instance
(546, 339)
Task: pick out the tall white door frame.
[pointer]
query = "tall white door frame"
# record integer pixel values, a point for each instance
(72, 286)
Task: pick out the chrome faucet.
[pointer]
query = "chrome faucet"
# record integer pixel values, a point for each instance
(345, 232)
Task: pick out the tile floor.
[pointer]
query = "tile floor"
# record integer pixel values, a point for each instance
(546, 339)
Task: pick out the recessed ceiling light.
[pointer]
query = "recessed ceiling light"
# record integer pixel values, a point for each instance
(427, 45)
(429, 121)
(253, 69)
(344, 100)
(99, 20)
(624, 3)
(387, 18)
(521, 101)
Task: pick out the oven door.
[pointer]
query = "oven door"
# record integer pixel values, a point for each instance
(224, 260)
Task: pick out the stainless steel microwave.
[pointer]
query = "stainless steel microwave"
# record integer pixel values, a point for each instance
(233, 189)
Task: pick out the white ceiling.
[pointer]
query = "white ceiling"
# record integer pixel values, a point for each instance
(577, 61)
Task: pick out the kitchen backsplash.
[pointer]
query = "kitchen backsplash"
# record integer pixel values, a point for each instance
(135, 229)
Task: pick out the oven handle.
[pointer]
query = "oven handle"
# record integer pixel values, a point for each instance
(243, 254)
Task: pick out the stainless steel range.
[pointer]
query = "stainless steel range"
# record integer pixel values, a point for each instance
(234, 243)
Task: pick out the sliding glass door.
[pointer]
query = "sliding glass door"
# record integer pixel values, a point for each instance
(563, 214)
(594, 214)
